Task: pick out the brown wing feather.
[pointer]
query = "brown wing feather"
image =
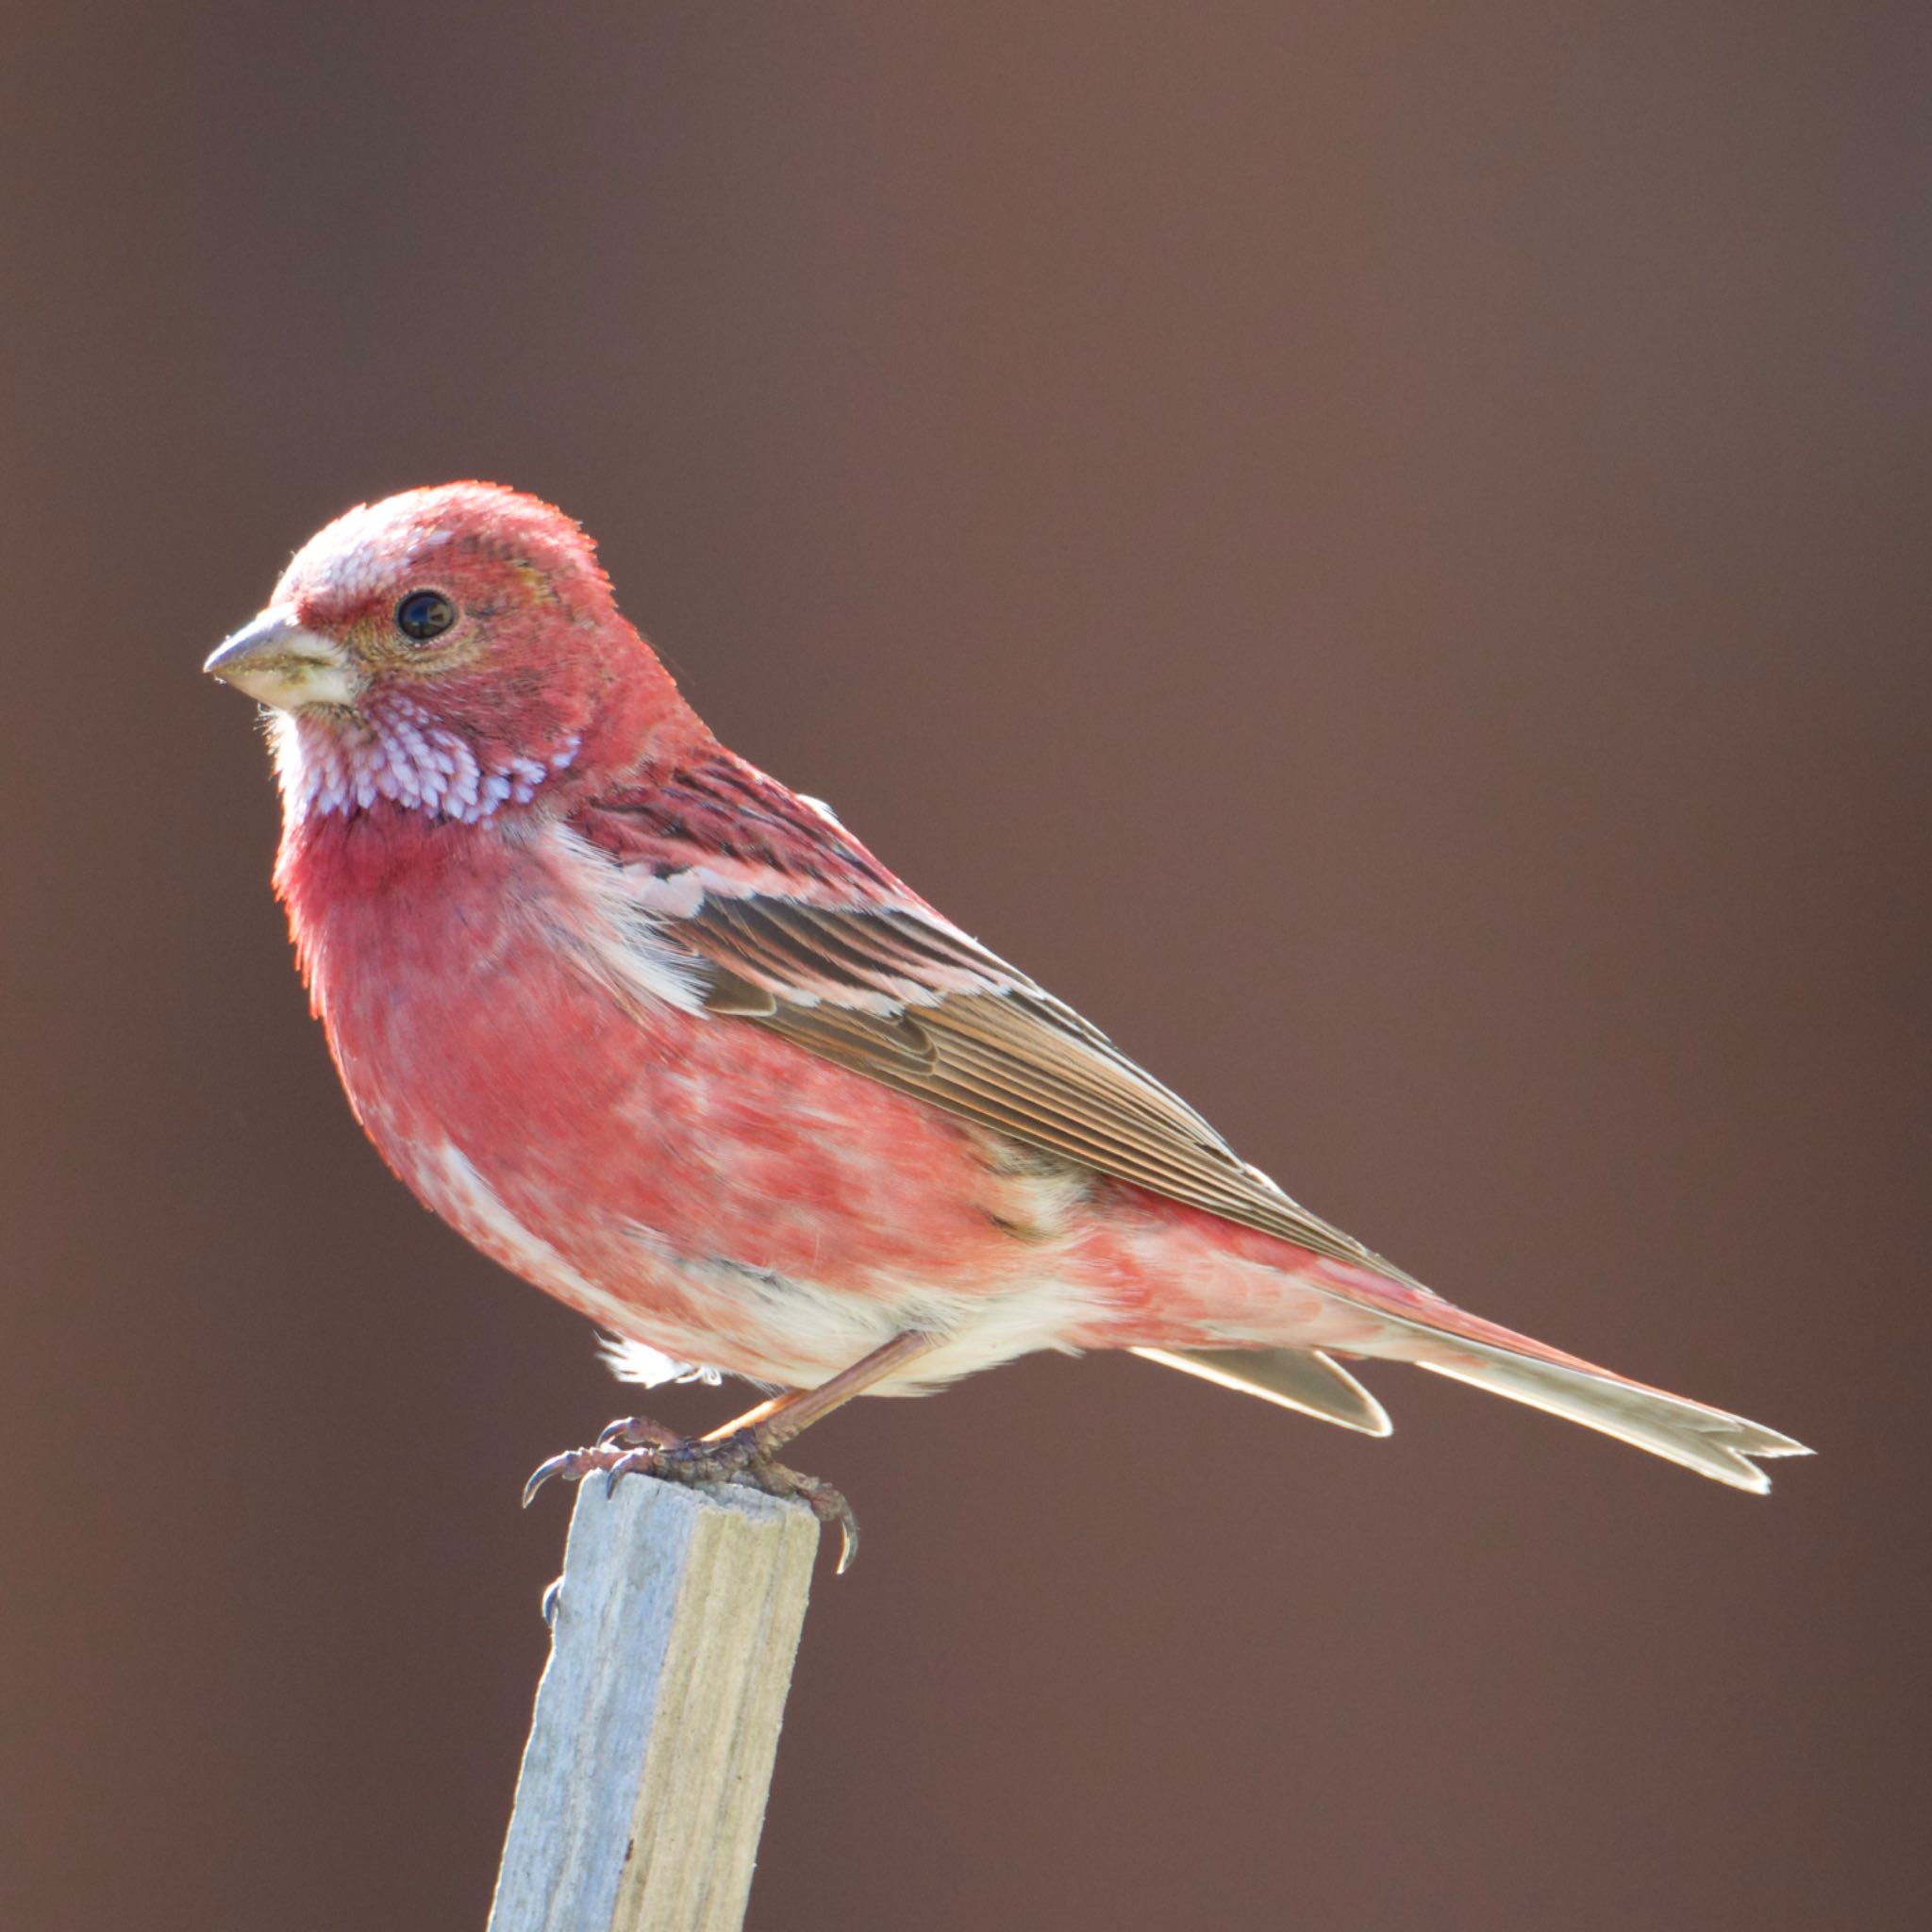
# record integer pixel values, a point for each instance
(927, 1011)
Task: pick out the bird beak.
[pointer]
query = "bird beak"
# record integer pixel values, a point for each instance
(276, 661)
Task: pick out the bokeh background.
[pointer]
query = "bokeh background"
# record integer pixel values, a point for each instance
(1382, 549)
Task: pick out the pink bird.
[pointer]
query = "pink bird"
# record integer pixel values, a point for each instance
(663, 1038)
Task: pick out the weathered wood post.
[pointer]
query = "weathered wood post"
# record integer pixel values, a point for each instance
(643, 1782)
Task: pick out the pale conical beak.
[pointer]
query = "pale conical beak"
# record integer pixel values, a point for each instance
(275, 660)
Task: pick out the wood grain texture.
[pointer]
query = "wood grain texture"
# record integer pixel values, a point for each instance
(643, 1783)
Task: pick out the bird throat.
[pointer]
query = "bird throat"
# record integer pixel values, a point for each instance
(393, 749)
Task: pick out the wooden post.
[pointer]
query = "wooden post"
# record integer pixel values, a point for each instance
(643, 1782)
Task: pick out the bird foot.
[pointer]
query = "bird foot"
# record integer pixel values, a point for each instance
(638, 1446)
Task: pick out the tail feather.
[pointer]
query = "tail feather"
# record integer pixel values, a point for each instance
(1710, 1441)
(1713, 1442)
(1302, 1378)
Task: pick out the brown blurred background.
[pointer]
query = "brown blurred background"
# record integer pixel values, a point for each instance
(1380, 548)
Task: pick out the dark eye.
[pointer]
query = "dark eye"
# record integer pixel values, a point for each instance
(424, 614)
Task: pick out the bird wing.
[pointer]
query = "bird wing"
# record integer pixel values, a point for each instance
(800, 931)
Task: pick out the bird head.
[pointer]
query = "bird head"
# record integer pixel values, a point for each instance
(453, 650)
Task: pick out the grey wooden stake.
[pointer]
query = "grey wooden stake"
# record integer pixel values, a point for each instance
(643, 1782)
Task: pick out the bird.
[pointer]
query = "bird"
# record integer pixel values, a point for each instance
(661, 1035)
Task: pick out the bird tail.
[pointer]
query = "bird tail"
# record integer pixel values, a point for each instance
(1449, 1341)
(1298, 1378)
(1710, 1441)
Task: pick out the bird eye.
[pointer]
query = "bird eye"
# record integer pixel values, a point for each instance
(424, 614)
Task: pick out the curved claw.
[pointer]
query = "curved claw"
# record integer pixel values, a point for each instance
(636, 1432)
(564, 1465)
(634, 1462)
(825, 1502)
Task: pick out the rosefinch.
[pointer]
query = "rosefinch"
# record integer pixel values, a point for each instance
(663, 1038)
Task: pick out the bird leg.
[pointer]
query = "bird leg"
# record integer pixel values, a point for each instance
(741, 1451)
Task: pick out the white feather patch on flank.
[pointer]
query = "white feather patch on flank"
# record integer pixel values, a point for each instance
(983, 1331)
(806, 1331)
